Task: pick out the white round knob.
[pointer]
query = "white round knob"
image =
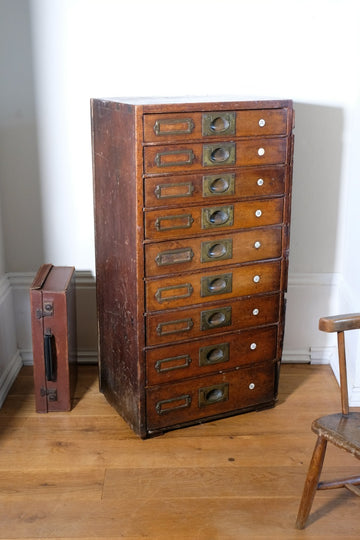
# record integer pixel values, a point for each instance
(260, 182)
(256, 279)
(253, 346)
(257, 245)
(261, 151)
(252, 386)
(255, 311)
(258, 213)
(262, 122)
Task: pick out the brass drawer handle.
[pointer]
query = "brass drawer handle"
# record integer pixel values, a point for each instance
(213, 394)
(215, 184)
(218, 123)
(216, 251)
(174, 327)
(215, 318)
(214, 354)
(170, 364)
(174, 256)
(218, 154)
(176, 126)
(161, 294)
(217, 217)
(181, 221)
(220, 284)
(176, 403)
(174, 191)
(179, 158)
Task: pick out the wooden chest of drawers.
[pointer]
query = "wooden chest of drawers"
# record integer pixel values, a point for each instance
(192, 211)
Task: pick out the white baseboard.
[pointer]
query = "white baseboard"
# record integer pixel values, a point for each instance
(86, 315)
(9, 375)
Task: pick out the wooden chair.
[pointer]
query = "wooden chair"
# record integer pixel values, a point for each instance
(340, 429)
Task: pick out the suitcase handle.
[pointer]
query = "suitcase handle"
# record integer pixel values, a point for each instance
(50, 367)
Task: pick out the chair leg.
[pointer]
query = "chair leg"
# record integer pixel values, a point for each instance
(311, 482)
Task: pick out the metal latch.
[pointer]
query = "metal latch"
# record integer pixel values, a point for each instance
(51, 394)
(48, 311)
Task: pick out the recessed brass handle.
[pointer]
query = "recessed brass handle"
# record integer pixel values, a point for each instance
(214, 354)
(213, 394)
(219, 154)
(215, 318)
(217, 217)
(219, 284)
(218, 123)
(216, 251)
(218, 185)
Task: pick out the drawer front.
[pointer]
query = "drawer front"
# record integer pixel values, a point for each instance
(182, 222)
(171, 158)
(178, 291)
(187, 323)
(199, 253)
(181, 402)
(249, 123)
(186, 360)
(202, 188)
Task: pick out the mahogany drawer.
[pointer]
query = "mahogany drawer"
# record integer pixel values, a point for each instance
(201, 357)
(197, 125)
(181, 157)
(181, 402)
(187, 221)
(225, 283)
(184, 255)
(202, 188)
(186, 323)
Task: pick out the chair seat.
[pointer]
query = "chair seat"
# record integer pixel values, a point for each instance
(343, 431)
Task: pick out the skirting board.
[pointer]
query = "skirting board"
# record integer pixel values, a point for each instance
(8, 377)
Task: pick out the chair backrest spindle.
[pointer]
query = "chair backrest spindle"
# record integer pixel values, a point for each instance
(343, 373)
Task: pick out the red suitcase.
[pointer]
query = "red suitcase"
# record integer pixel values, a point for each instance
(52, 300)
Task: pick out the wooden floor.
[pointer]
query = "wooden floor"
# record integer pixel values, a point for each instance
(85, 475)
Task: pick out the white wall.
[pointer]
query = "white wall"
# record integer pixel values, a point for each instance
(304, 50)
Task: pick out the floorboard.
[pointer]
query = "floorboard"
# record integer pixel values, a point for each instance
(84, 474)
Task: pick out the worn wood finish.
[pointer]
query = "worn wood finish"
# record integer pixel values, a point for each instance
(192, 212)
(200, 288)
(85, 474)
(186, 221)
(342, 429)
(194, 358)
(202, 188)
(340, 323)
(246, 124)
(184, 255)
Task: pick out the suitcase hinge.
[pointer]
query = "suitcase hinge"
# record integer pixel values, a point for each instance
(51, 394)
(48, 311)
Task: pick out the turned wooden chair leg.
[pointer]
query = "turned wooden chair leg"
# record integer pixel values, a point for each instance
(311, 482)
